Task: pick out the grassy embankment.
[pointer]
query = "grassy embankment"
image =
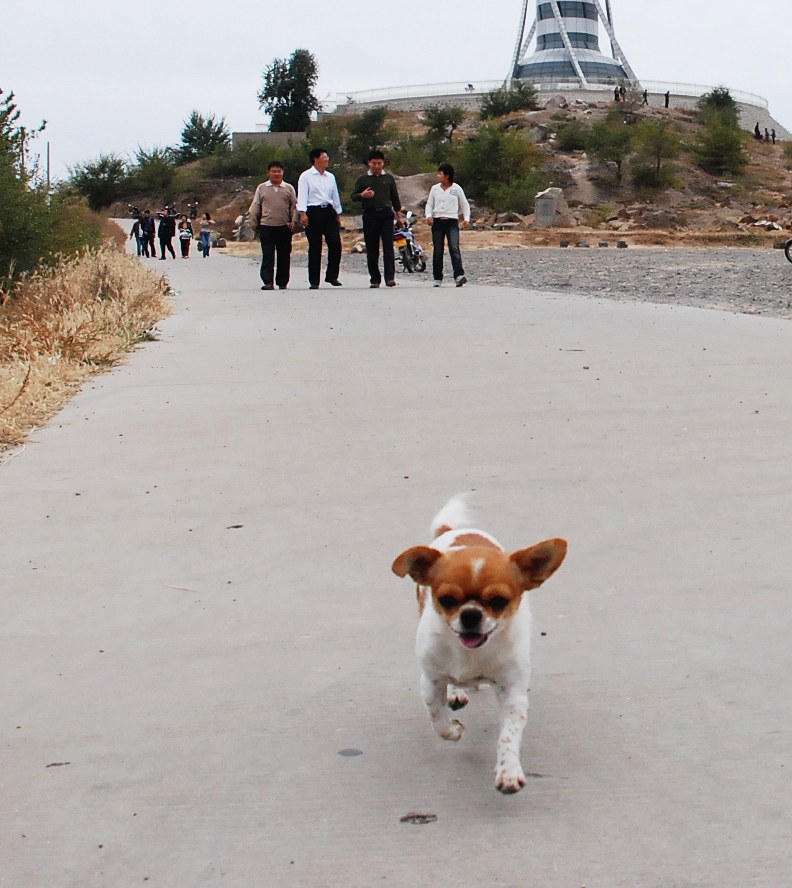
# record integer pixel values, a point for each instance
(67, 321)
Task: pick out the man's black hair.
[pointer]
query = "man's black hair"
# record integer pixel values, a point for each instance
(447, 169)
(317, 152)
(274, 163)
(376, 154)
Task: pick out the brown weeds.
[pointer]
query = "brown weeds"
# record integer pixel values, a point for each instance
(65, 323)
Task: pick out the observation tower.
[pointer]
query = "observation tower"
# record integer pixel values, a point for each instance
(567, 53)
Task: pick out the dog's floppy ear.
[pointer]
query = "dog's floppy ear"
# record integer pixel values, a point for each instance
(417, 562)
(539, 562)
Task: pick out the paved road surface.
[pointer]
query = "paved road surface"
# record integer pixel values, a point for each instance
(198, 615)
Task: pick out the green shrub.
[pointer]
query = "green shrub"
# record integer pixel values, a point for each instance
(718, 148)
(573, 135)
(519, 195)
(412, 155)
(100, 181)
(518, 97)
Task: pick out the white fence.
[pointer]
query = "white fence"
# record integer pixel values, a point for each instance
(474, 87)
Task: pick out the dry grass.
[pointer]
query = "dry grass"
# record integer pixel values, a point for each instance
(66, 323)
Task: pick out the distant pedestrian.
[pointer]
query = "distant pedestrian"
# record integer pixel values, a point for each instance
(446, 204)
(138, 235)
(319, 206)
(185, 236)
(623, 93)
(377, 193)
(148, 228)
(667, 98)
(646, 97)
(616, 94)
(773, 135)
(166, 232)
(757, 132)
(767, 135)
(207, 224)
(273, 213)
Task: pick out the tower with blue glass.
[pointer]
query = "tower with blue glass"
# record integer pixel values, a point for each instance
(567, 53)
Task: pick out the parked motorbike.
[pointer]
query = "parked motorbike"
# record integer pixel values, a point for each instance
(172, 211)
(411, 254)
(193, 210)
(134, 211)
(788, 249)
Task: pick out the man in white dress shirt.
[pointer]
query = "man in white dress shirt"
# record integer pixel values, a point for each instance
(319, 206)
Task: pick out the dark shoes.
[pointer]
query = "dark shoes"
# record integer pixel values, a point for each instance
(373, 286)
(268, 287)
(461, 281)
(314, 287)
(390, 283)
(335, 283)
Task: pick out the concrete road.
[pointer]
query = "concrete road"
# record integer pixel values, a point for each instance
(200, 627)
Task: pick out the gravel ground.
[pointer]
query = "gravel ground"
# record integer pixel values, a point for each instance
(738, 279)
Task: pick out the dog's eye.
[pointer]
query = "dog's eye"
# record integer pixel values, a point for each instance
(498, 603)
(447, 602)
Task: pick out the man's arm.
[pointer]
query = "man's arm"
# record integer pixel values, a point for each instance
(360, 186)
(464, 206)
(255, 208)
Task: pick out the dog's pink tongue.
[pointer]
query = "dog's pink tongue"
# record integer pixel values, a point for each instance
(472, 639)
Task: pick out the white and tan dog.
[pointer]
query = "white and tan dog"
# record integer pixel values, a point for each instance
(475, 625)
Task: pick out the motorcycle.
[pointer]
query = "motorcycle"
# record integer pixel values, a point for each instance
(788, 249)
(172, 211)
(411, 254)
(193, 210)
(134, 211)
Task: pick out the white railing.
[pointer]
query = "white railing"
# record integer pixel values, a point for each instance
(454, 88)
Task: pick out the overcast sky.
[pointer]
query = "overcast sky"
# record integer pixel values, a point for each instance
(111, 76)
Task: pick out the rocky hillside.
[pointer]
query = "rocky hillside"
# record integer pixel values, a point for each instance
(752, 209)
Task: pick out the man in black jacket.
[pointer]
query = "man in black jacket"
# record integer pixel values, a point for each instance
(148, 227)
(376, 191)
(166, 233)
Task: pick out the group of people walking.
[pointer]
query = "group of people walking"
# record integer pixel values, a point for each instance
(145, 229)
(278, 211)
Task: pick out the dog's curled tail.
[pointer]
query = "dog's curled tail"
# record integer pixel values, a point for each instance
(452, 516)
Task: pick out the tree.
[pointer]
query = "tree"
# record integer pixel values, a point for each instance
(202, 136)
(32, 224)
(155, 169)
(100, 180)
(511, 163)
(611, 142)
(442, 122)
(287, 95)
(365, 131)
(719, 103)
(718, 148)
(657, 140)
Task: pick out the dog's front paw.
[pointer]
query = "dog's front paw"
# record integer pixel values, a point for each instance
(457, 698)
(452, 730)
(509, 782)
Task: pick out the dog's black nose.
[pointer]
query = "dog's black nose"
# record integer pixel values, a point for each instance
(470, 618)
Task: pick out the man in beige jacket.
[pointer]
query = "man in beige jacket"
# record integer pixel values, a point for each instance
(273, 213)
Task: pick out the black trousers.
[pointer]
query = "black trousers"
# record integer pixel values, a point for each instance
(148, 245)
(378, 228)
(323, 223)
(276, 243)
(166, 243)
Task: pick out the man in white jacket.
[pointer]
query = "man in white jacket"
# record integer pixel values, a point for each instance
(446, 205)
